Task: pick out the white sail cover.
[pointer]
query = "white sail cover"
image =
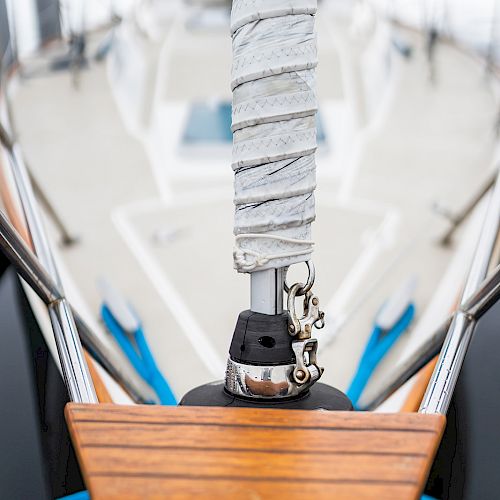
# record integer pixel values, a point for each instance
(274, 131)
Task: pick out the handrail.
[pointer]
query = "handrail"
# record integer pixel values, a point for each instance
(74, 367)
(29, 268)
(472, 310)
(476, 297)
(50, 291)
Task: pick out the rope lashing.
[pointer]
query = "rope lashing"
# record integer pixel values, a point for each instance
(247, 259)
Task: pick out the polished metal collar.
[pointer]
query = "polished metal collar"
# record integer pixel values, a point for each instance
(266, 382)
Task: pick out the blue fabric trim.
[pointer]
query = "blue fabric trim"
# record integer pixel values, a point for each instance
(81, 495)
(143, 361)
(378, 345)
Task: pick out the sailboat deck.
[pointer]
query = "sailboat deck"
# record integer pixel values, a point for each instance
(157, 222)
(142, 452)
(166, 242)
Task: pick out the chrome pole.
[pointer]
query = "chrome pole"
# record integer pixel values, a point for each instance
(26, 264)
(74, 368)
(439, 392)
(9, 144)
(112, 360)
(487, 294)
(66, 238)
(32, 214)
(458, 219)
(30, 269)
(73, 365)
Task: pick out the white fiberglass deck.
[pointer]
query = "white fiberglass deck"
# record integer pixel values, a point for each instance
(158, 223)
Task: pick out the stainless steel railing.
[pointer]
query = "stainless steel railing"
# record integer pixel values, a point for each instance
(41, 273)
(477, 296)
(74, 369)
(73, 365)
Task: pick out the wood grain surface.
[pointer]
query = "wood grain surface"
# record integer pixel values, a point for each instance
(137, 452)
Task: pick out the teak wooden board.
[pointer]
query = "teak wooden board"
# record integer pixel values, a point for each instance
(132, 452)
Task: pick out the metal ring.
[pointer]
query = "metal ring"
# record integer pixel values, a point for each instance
(310, 280)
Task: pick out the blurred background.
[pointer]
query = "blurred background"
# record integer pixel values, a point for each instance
(122, 111)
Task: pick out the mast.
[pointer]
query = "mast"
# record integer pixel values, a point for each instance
(274, 143)
(274, 132)
(272, 356)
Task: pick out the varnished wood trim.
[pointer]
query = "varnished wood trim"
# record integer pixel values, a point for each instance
(254, 426)
(254, 450)
(259, 479)
(187, 452)
(242, 416)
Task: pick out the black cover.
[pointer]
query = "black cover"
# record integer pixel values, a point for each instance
(262, 339)
(319, 397)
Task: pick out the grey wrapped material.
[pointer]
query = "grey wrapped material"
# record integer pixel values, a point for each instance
(274, 131)
(260, 48)
(280, 97)
(246, 11)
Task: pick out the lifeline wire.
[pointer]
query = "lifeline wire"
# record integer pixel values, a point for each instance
(274, 131)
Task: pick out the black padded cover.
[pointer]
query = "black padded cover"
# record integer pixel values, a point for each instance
(319, 397)
(262, 339)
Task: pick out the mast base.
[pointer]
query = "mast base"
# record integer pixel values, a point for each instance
(318, 397)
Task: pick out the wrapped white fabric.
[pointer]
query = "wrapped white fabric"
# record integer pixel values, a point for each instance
(246, 11)
(274, 131)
